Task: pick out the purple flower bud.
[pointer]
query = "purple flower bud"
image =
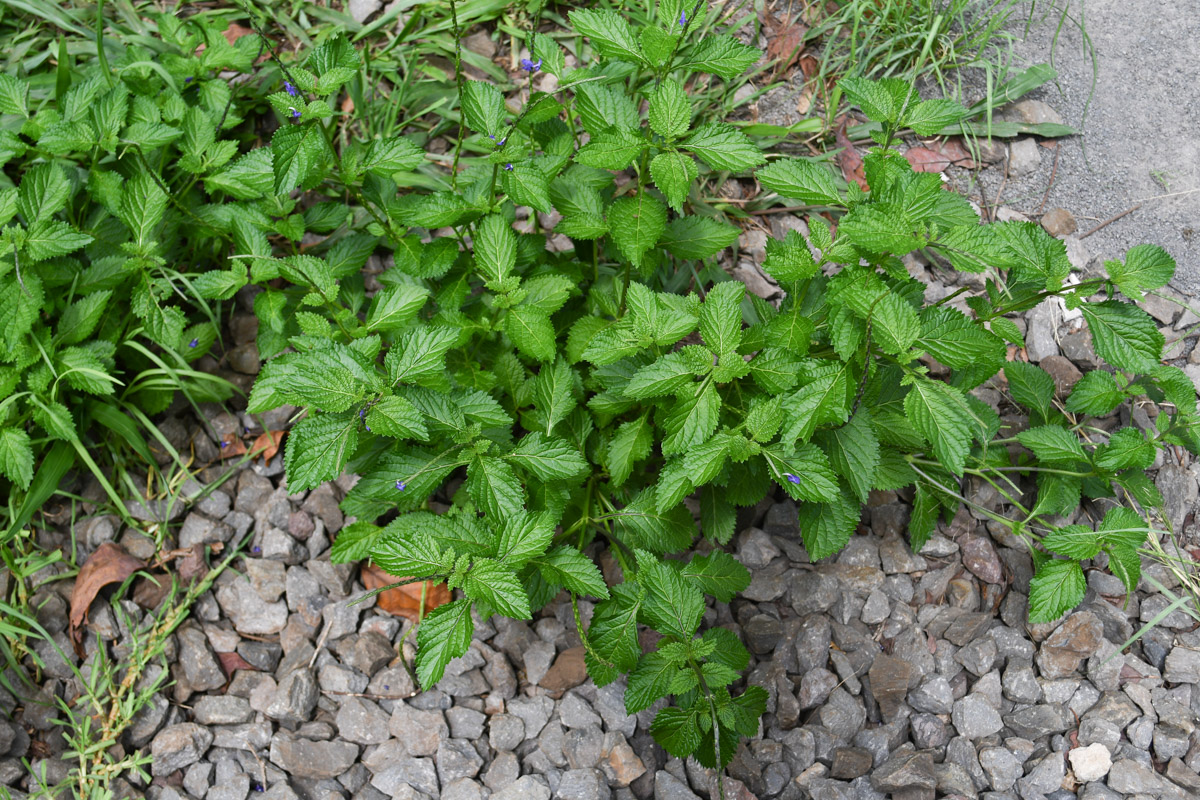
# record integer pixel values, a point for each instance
(401, 485)
(257, 549)
(368, 427)
(492, 136)
(387, 688)
(188, 79)
(508, 167)
(194, 343)
(531, 66)
(224, 445)
(795, 479)
(502, 141)
(290, 89)
(295, 112)
(683, 19)
(362, 413)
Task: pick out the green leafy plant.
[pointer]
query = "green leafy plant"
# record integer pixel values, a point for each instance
(513, 409)
(116, 226)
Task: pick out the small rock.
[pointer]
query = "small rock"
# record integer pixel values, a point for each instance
(979, 556)
(360, 10)
(582, 784)
(1034, 112)
(480, 42)
(1076, 639)
(304, 758)
(850, 763)
(889, 685)
(567, 672)
(244, 358)
(199, 663)
(974, 717)
(456, 758)
(362, 722)
(1182, 665)
(178, 746)
(1024, 157)
(420, 731)
(668, 787)
(1002, 768)
(1065, 374)
(1059, 222)
(1036, 721)
(417, 773)
(505, 732)
(1043, 778)
(294, 698)
(214, 709)
(526, 787)
(905, 769)
(1090, 763)
(896, 557)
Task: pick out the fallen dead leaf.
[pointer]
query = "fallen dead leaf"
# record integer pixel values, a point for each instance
(404, 601)
(785, 39)
(232, 446)
(148, 592)
(108, 564)
(235, 32)
(231, 662)
(925, 160)
(347, 105)
(191, 566)
(849, 159)
(267, 444)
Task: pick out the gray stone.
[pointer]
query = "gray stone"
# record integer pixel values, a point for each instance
(215, 709)
(505, 731)
(360, 10)
(929, 731)
(1002, 768)
(978, 656)
(527, 787)
(905, 769)
(974, 717)
(455, 759)
(420, 731)
(1024, 157)
(583, 784)
(1076, 639)
(895, 556)
(933, 696)
(1182, 665)
(362, 722)
(534, 712)
(1020, 684)
(200, 530)
(815, 686)
(850, 763)
(304, 758)
(1037, 721)
(1040, 337)
(813, 592)
(249, 612)
(200, 666)
(575, 712)
(462, 789)
(843, 714)
(1044, 778)
(889, 683)
(417, 773)
(668, 787)
(178, 746)
(294, 698)
(465, 723)
(812, 643)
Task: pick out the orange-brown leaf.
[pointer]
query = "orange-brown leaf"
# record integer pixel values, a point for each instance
(232, 446)
(267, 444)
(925, 160)
(849, 159)
(404, 601)
(108, 564)
(231, 662)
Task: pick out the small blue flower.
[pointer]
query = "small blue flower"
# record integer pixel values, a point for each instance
(362, 413)
(502, 141)
(508, 167)
(492, 136)
(290, 89)
(795, 479)
(683, 19)
(257, 549)
(368, 427)
(387, 688)
(224, 445)
(188, 79)
(401, 486)
(194, 343)
(531, 66)
(295, 112)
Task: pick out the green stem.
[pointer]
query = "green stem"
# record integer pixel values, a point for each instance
(101, 56)
(458, 79)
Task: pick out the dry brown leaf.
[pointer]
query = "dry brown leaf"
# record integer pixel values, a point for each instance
(849, 159)
(108, 564)
(232, 446)
(925, 160)
(235, 32)
(404, 601)
(347, 105)
(785, 39)
(267, 444)
(191, 566)
(231, 662)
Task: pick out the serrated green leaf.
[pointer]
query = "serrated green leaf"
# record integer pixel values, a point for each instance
(826, 527)
(854, 452)
(672, 605)
(1126, 448)
(691, 420)
(523, 537)
(670, 111)
(1031, 386)
(724, 147)
(1073, 541)
(697, 237)
(16, 456)
(806, 181)
(649, 681)
(494, 487)
(1126, 564)
(318, 448)
(405, 550)
(941, 414)
(1096, 393)
(567, 567)
(419, 354)
(1056, 588)
(609, 33)
(821, 401)
(396, 306)
(718, 574)
(673, 173)
(495, 248)
(676, 730)
(720, 55)
(1124, 335)
(443, 635)
(386, 157)
(483, 107)
(295, 151)
(397, 417)
(630, 444)
(635, 225)
(549, 459)
(1146, 266)
(498, 586)
(1053, 445)
(613, 634)
(526, 185)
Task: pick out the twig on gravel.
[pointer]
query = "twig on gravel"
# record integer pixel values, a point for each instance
(1000, 191)
(1053, 173)
(1111, 220)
